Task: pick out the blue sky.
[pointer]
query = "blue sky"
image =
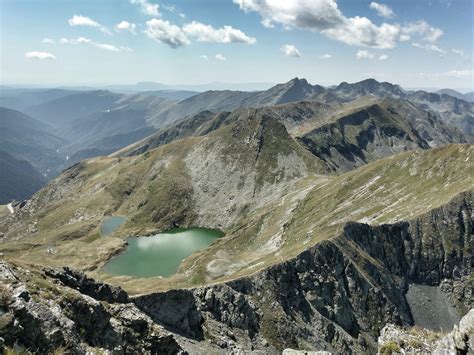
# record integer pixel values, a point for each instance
(416, 43)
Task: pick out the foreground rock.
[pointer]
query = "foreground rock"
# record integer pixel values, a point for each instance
(460, 340)
(43, 316)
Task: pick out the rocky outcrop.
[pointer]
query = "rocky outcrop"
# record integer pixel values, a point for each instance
(176, 309)
(399, 340)
(97, 290)
(36, 320)
(335, 296)
(339, 294)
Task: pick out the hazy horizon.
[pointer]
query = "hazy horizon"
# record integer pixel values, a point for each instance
(423, 44)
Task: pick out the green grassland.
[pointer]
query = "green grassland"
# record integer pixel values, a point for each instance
(295, 205)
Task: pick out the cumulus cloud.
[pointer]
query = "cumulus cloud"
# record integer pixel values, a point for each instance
(383, 57)
(363, 54)
(382, 9)
(147, 7)
(423, 30)
(205, 57)
(324, 16)
(207, 33)
(290, 50)
(175, 36)
(125, 26)
(457, 51)
(39, 55)
(166, 32)
(48, 41)
(429, 47)
(325, 56)
(267, 23)
(103, 46)
(79, 20)
(221, 57)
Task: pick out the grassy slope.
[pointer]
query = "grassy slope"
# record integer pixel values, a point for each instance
(156, 190)
(162, 186)
(393, 189)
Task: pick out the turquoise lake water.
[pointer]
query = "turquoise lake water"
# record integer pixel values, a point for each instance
(161, 254)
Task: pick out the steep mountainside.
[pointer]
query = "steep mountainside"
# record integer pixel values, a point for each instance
(351, 92)
(25, 138)
(18, 180)
(212, 180)
(61, 111)
(217, 101)
(466, 97)
(322, 282)
(20, 99)
(377, 131)
(296, 117)
(344, 135)
(455, 112)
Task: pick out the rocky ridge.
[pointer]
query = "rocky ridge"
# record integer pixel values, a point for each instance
(335, 296)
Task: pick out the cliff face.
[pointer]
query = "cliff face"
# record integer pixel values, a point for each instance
(334, 296)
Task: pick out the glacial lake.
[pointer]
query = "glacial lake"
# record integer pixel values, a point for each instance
(111, 224)
(161, 254)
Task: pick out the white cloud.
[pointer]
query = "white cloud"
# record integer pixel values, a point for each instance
(468, 73)
(147, 7)
(175, 36)
(290, 50)
(404, 37)
(426, 32)
(429, 47)
(166, 32)
(324, 16)
(382, 9)
(383, 57)
(79, 40)
(125, 26)
(173, 9)
(79, 20)
(205, 57)
(103, 46)
(325, 56)
(48, 41)
(207, 33)
(363, 54)
(456, 74)
(221, 57)
(111, 47)
(267, 23)
(457, 51)
(39, 55)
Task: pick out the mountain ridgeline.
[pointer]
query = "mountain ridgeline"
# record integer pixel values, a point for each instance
(345, 212)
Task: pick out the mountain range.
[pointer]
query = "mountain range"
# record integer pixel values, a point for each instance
(345, 212)
(93, 123)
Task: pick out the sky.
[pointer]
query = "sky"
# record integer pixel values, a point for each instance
(414, 43)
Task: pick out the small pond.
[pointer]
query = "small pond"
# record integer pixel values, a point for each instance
(111, 224)
(161, 254)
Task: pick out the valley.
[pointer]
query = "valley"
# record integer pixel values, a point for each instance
(299, 217)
